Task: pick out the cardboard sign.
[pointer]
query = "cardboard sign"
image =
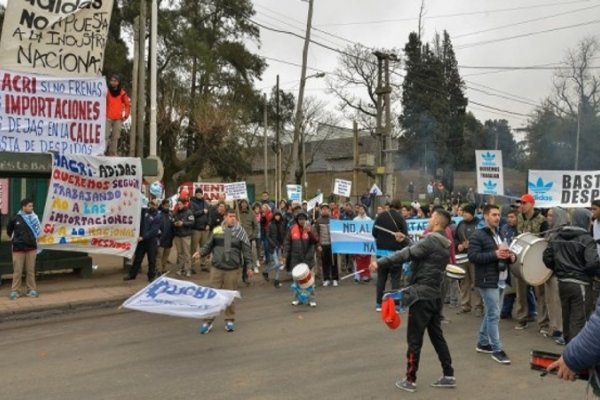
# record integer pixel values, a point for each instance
(490, 174)
(235, 191)
(342, 187)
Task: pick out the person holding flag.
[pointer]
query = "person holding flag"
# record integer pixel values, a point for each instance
(230, 248)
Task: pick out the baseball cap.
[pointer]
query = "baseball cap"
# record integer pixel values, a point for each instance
(527, 198)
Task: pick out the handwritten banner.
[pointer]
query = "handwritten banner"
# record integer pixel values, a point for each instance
(59, 38)
(41, 114)
(93, 205)
(564, 188)
(235, 191)
(342, 187)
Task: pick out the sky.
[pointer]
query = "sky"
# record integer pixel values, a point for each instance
(475, 27)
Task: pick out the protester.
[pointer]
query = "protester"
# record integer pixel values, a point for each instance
(596, 224)
(299, 244)
(251, 226)
(429, 258)
(24, 229)
(165, 241)
(387, 244)
(531, 220)
(276, 237)
(183, 220)
(230, 250)
(118, 107)
(491, 258)
(362, 262)
(572, 255)
(150, 225)
(266, 216)
(328, 259)
(266, 200)
(469, 295)
(346, 261)
(200, 230)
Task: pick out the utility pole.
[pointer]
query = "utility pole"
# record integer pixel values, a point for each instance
(384, 134)
(355, 159)
(141, 99)
(134, 86)
(298, 120)
(266, 145)
(578, 133)
(278, 144)
(153, 76)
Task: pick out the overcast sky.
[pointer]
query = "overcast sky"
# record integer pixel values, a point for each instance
(387, 23)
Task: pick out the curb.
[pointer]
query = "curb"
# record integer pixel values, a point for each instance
(60, 309)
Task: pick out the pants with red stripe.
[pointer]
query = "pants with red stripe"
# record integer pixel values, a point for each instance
(426, 315)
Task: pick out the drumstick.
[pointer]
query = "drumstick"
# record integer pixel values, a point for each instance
(352, 273)
(384, 229)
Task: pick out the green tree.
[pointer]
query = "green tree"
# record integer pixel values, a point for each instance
(498, 135)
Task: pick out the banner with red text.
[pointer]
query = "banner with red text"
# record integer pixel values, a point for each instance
(40, 114)
(93, 205)
(64, 38)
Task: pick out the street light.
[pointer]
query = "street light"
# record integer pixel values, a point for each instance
(302, 139)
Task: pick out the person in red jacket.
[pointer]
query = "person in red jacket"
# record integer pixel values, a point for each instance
(118, 107)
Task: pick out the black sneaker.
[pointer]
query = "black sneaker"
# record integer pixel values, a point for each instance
(522, 325)
(481, 348)
(501, 357)
(276, 283)
(266, 276)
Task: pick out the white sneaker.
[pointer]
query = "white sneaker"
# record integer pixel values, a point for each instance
(295, 302)
(282, 268)
(188, 274)
(325, 283)
(256, 271)
(312, 303)
(335, 283)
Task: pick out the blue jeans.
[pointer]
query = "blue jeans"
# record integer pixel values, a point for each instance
(489, 332)
(276, 256)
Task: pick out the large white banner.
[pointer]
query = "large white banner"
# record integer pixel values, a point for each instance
(564, 188)
(490, 176)
(93, 205)
(181, 299)
(63, 38)
(40, 114)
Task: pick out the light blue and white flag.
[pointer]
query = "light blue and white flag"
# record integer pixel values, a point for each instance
(181, 299)
(352, 237)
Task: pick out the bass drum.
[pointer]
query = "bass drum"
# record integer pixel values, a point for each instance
(529, 249)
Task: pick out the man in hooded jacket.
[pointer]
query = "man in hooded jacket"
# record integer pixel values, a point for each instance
(118, 108)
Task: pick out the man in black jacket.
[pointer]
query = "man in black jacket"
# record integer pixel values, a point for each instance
(165, 241)
(201, 228)
(491, 258)
(572, 255)
(387, 244)
(150, 226)
(183, 220)
(469, 296)
(429, 258)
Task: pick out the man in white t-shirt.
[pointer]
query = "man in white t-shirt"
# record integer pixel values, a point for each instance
(596, 222)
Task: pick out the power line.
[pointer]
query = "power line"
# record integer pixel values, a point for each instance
(560, 28)
(522, 22)
(562, 3)
(516, 68)
(499, 91)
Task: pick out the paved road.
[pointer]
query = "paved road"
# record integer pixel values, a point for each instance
(340, 350)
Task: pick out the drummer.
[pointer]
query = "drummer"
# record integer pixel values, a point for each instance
(469, 297)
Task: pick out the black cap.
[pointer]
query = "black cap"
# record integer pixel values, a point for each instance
(198, 190)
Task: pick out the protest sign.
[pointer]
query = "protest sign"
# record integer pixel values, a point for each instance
(490, 174)
(181, 299)
(41, 114)
(342, 187)
(294, 192)
(312, 203)
(564, 188)
(235, 191)
(93, 205)
(352, 237)
(61, 38)
(375, 190)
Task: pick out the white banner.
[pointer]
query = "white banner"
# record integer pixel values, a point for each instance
(55, 37)
(564, 188)
(312, 203)
(294, 192)
(375, 190)
(93, 205)
(41, 114)
(490, 175)
(235, 191)
(342, 187)
(181, 299)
